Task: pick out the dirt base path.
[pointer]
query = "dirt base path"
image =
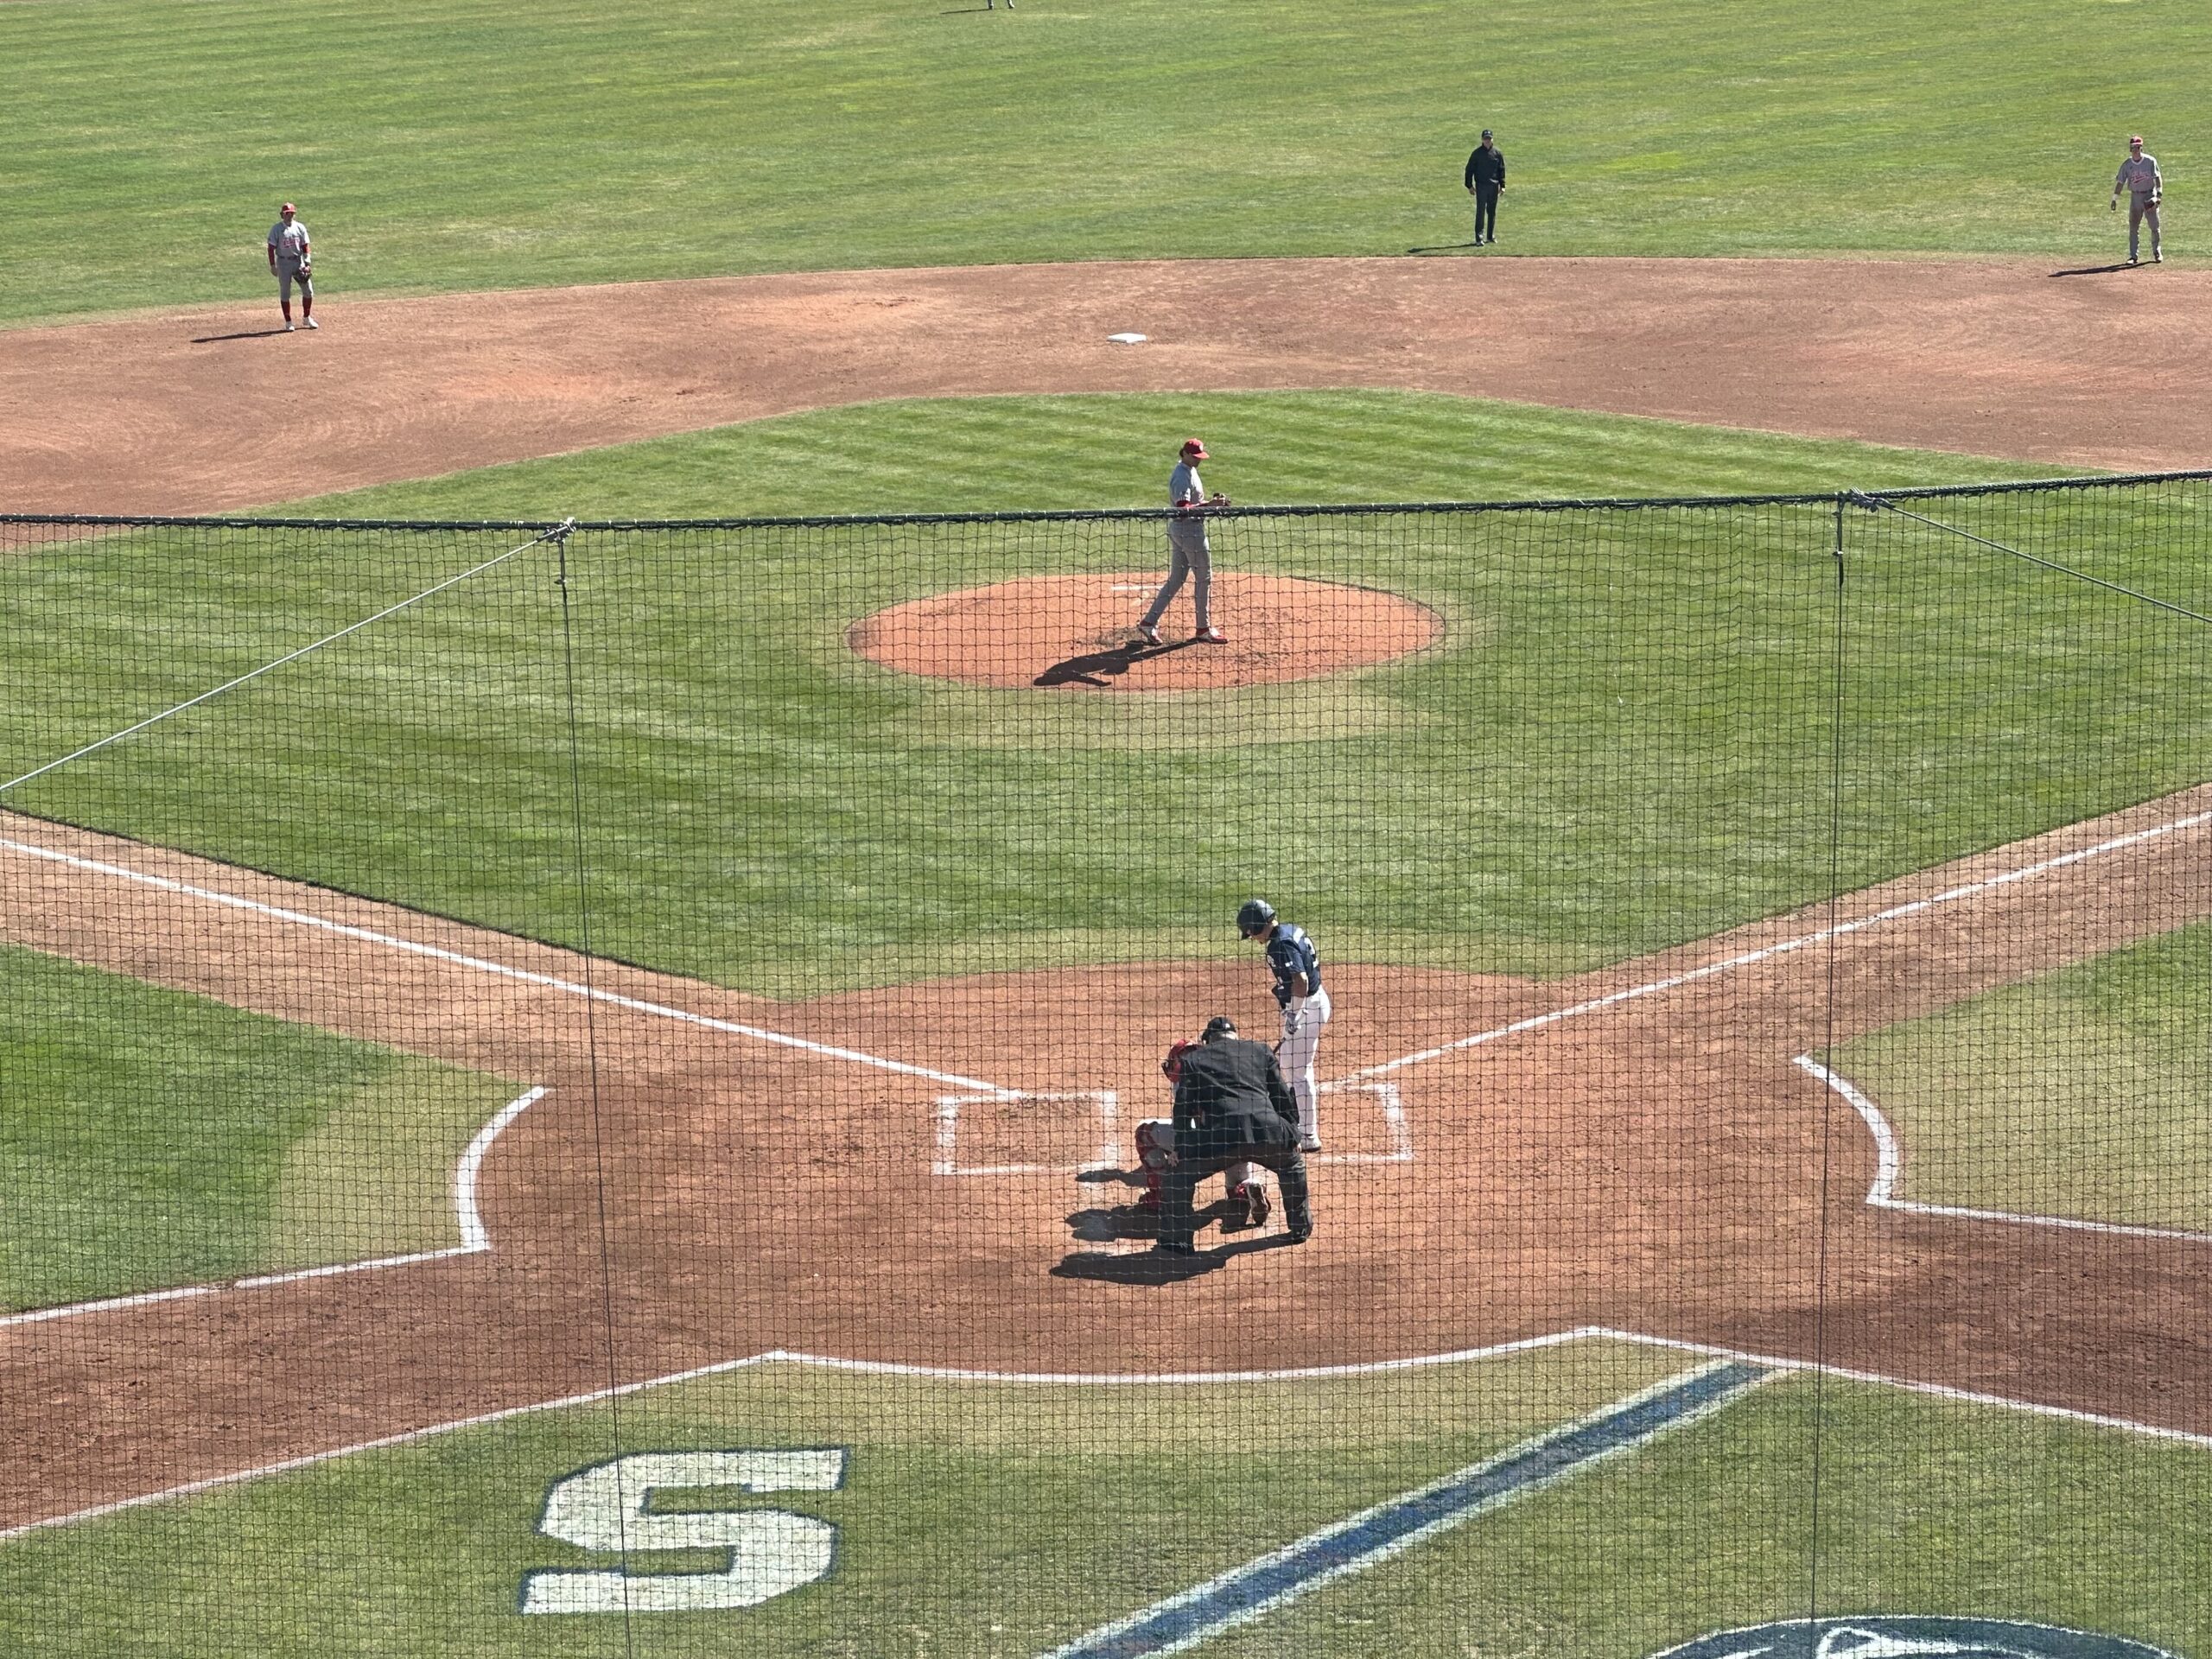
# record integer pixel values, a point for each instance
(1633, 1149)
(198, 411)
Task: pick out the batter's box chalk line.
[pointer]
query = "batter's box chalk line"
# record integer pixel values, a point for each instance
(1106, 1104)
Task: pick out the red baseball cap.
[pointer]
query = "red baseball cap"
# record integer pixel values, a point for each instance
(2134, 137)
(1192, 446)
(287, 209)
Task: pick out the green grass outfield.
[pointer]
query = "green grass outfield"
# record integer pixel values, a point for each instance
(460, 144)
(2080, 1094)
(984, 1519)
(153, 1139)
(1624, 744)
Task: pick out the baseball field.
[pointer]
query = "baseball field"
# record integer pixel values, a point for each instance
(595, 873)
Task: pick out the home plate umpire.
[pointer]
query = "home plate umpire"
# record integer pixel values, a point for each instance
(1231, 1107)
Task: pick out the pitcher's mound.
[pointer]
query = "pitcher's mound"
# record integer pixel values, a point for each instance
(1081, 633)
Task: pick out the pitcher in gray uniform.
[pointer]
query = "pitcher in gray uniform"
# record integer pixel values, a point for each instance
(1188, 553)
(2138, 176)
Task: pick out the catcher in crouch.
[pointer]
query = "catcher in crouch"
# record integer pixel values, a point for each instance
(1231, 1107)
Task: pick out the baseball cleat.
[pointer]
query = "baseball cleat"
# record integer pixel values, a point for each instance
(312, 323)
(1147, 632)
(1210, 636)
(1310, 1143)
(288, 327)
(1257, 1208)
(1299, 1235)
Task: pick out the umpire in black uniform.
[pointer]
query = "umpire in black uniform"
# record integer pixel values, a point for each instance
(1231, 1107)
(1485, 183)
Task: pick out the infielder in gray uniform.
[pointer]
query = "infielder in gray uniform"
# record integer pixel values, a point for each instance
(1188, 554)
(2138, 176)
(290, 261)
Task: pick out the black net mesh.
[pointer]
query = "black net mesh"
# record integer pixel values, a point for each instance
(593, 1089)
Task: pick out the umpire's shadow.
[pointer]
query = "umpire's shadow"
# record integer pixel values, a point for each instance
(1098, 667)
(1155, 1268)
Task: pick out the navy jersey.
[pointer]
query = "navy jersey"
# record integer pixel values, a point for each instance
(1290, 953)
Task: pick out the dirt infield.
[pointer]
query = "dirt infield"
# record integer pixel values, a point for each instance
(1640, 1153)
(1079, 634)
(201, 409)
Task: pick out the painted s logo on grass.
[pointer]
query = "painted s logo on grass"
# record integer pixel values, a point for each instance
(608, 1510)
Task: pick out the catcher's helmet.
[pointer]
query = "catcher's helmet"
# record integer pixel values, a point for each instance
(1220, 1026)
(1171, 1064)
(1255, 916)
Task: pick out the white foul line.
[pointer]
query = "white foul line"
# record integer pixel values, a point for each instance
(474, 1236)
(480, 964)
(1749, 958)
(1890, 1171)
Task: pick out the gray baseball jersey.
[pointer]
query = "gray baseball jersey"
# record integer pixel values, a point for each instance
(2137, 175)
(1186, 535)
(290, 240)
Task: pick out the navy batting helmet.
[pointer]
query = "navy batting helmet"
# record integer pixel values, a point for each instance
(1253, 916)
(1220, 1026)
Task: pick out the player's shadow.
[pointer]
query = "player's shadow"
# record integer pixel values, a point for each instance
(1444, 247)
(1102, 667)
(1156, 1267)
(2096, 270)
(251, 334)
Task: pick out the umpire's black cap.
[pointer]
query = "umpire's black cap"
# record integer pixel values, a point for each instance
(1220, 1026)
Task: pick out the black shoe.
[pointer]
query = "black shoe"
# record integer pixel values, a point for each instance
(1298, 1235)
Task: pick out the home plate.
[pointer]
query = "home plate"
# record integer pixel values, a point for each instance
(1127, 339)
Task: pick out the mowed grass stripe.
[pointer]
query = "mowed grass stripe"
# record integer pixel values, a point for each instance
(2080, 1094)
(152, 1139)
(443, 145)
(1115, 450)
(1623, 746)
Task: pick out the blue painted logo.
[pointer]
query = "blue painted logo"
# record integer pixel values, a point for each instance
(1883, 1635)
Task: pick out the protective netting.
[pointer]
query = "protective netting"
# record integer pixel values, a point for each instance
(576, 1089)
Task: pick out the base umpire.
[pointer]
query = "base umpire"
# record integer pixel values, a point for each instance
(1231, 1107)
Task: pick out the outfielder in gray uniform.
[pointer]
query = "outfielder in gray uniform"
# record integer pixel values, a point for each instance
(289, 262)
(2138, 176)
(1188, 553)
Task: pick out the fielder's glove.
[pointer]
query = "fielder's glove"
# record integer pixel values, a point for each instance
(307, 270)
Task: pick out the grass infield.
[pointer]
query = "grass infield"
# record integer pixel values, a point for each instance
(2079, 1094)
(451, 145)
(1624, 744)
(154, 1139)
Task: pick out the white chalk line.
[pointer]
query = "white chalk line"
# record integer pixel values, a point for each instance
(1890, 1170)
(1165, 1379)
(1934, 1390)
(1673, 981)
(947, 1161)
(485, 965)
(882, 1368)
(475, 1237)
